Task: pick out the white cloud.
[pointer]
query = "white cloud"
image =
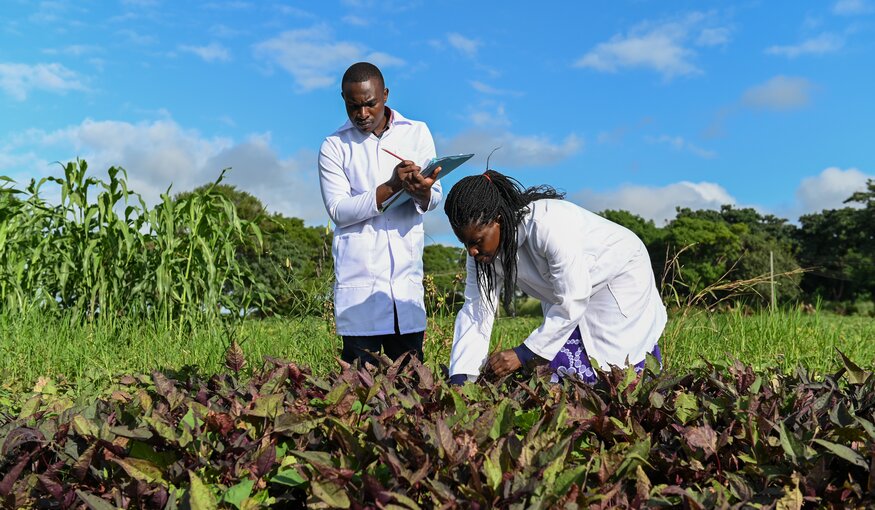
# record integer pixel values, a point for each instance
(829, 189)
(660, 47)
(210, 53)
(718, 36)
(160, 153)
(314, 59)
(488, 89)
(356, 21)
(137, 38)
(232, 5)
(851, 7)
(656, 203)
(288, 10)
(779, 93)
(224, 31)
(18, 80)
(465, 45)
(820, 45)
(490, 118)
(516, 150)
(681, 144)
(76, 50)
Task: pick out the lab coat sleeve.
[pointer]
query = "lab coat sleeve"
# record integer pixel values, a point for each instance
(473, 327)
(570, 276)
(342, 206)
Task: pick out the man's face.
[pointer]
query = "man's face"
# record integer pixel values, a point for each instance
(366, 104)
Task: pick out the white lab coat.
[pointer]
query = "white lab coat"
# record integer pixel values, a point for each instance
(586, 271)
(377, 256)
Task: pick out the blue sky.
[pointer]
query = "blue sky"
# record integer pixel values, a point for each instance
(638, 105)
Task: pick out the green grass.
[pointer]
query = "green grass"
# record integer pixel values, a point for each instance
(90, 357)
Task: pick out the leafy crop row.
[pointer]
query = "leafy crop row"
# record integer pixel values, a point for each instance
(718, 437)
(102, 252)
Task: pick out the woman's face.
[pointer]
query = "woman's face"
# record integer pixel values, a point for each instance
(482, 241)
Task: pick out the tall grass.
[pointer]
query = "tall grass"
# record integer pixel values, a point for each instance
(93, 355)
(101, 253)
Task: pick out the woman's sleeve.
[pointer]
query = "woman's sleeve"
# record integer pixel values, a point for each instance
(473, 327)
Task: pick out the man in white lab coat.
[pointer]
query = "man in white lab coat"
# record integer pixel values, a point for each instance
(378, 294)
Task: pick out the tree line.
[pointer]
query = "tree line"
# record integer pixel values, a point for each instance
(217, 250)
(730, 254)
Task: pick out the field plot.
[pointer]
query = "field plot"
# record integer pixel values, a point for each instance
(91, 357)
(712, 437)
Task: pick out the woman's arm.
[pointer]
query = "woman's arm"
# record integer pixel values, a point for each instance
(473, 328)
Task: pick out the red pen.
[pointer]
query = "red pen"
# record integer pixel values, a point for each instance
(392, 153)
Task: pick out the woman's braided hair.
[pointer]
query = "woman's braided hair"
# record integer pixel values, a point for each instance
(481, 199)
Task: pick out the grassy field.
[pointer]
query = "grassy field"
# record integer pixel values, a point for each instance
(89, 358)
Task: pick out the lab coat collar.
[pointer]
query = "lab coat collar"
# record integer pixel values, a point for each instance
(394, 118)
(525, 225)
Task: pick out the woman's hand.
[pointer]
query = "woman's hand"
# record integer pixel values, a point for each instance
(503, 362)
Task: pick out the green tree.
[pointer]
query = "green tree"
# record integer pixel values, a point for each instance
(765, 239)
(706, 248)
(839, 247)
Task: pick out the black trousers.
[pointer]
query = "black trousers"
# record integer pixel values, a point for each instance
(393, 345)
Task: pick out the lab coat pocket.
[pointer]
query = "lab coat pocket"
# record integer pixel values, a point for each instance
(619, 298)
(631, 287)
(353, 259)
(417, 244)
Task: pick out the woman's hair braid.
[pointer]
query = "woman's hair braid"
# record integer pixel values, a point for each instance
(492, 196)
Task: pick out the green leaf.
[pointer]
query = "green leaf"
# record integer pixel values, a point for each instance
(29, 407)
(201, 497)
(139, 469)
(567, 477)
(686, 406)
(137, 433)
(162, 428)
(792, 499)
(460, 410)
(856, 375)
(635, 456)
(289, 477)
(790, 443)
(145, 451)
(844, 452)
(492, 469)
(504, 416)
(237, 494)
(526, 420)
(296, 423)
(84, 427)
(330, 494)
(94, 502)
(267, 406)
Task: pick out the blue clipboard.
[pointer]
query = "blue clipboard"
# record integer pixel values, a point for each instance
(447, 164)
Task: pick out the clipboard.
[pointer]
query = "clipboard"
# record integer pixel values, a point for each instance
(447, 164)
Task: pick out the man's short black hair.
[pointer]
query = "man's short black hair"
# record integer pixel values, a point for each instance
(362, 71)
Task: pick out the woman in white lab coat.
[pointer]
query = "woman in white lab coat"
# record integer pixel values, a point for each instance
(592, 276)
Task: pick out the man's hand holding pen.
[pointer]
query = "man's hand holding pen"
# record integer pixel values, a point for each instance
(407, 176)
(415, 184)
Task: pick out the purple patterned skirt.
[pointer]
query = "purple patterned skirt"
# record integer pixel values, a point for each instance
(572, 360)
